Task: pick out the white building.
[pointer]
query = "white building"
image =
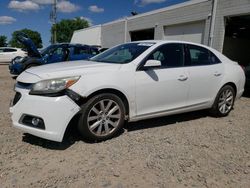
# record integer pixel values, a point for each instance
(222, 24)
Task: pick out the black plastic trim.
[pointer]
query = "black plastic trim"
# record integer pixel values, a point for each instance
(26, 119)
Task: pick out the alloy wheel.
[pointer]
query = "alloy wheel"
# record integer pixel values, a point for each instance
(226, 100)
(104, 117)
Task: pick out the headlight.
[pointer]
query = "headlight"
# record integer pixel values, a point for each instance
(54, 85)
(18, 59)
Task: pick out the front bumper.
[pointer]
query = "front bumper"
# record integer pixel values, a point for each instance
(15, 68)
(56, 112)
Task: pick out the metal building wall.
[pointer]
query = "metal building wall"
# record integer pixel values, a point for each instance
(113, 33)
(227, 8)
(90, 36)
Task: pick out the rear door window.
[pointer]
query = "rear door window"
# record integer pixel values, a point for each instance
(199, 56)
(81, 50)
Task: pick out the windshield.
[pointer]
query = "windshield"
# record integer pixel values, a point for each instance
(48, 50)
(124, 53)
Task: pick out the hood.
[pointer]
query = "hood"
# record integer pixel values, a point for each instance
(28, 43)
(65, 69)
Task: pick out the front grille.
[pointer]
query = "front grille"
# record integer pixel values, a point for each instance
(16, 98)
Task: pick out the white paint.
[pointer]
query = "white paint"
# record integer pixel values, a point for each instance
(151, 93)
(6, 57)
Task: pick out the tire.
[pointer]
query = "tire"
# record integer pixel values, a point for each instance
(224, 102)
(102, 117)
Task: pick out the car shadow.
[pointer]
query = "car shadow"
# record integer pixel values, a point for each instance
(246, 94)
(70, 138)
(165, 121)
(72, 135)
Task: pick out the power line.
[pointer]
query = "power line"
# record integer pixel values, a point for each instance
(53, 17)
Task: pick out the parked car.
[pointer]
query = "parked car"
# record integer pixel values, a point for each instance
(52, 54)
(129, 82)
(102, 50)
(9, 53)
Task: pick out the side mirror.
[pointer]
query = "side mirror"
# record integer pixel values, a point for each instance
(152, 63)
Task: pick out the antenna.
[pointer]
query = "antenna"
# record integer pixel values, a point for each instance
(53, 17)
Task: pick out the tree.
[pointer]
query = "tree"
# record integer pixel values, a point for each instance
(66, 27)
(3, 41)
(33, 35)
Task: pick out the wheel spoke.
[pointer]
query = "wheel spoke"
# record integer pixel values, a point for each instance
(226, 108)
(113, 110)
(112, 123)
(116, 116)
(102, 106)
(93, 118)
(108, 106)
(94, 109)
(220, 103)
(222, 108)
(229, 98)
(106, 128)
(96, 124)
(99, 131)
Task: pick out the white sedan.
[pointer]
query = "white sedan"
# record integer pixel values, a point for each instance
(130, 82)
(9, 53)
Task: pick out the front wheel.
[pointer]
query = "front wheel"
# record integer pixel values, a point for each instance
(102, 117)
(224, 102)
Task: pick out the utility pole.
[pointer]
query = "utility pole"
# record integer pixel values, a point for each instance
(53, 17)
(212, 22)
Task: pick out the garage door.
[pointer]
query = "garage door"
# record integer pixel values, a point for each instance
(191, 32)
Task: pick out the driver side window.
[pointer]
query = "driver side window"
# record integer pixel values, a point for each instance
(170, 55)
(58, 51)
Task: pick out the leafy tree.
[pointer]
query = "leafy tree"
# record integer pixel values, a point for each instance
(66, 27)
(33, 35)
(3, 41)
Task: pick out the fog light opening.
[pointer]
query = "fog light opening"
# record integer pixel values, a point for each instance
(32, 121)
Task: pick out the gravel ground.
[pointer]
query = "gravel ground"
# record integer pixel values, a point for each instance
(188, 150)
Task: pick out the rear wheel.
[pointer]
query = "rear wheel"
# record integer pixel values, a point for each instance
(224, 102)
(102, 117)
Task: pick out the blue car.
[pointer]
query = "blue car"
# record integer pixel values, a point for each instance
(52, 54)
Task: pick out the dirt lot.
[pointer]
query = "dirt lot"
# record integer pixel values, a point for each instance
(192, 150)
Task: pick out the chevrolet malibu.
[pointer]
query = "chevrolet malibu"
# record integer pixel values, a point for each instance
(130, 82)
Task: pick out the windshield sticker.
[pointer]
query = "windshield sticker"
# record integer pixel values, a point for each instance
(145, 44)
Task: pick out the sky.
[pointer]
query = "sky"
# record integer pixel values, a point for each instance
(34, 14)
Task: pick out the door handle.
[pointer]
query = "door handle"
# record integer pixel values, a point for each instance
(182, 78)
(217, 74)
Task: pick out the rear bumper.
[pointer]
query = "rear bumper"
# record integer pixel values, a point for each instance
(56, 112)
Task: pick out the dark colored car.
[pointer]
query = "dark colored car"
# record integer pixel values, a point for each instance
(52, 54)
